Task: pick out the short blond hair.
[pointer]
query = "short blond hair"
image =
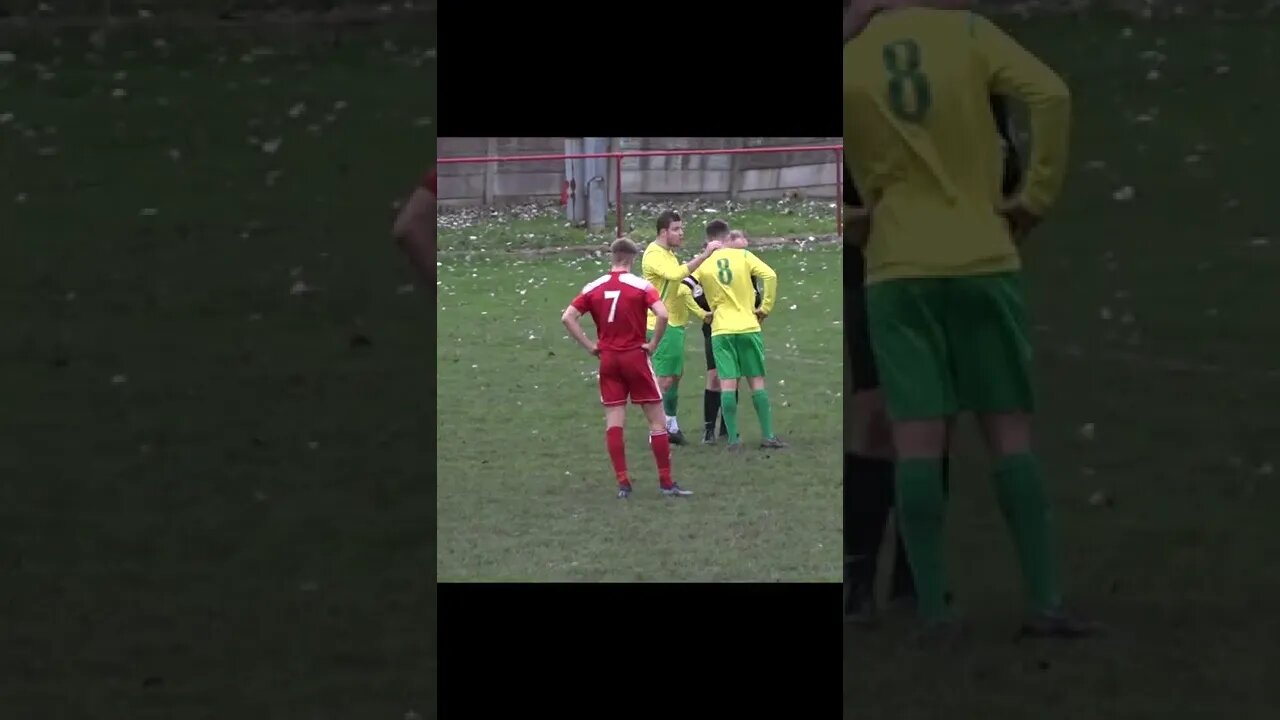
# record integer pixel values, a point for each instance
(623, 248)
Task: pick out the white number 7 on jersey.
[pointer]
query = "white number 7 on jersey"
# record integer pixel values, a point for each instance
(612, 295)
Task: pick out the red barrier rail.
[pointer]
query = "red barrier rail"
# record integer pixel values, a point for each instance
(619, 155)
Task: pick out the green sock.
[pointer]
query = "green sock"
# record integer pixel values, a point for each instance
(670, 399)
(1026, 510)
(760, 398)
(920, 512)
(729, 412)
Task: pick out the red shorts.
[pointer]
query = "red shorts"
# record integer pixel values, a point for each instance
(627, 373)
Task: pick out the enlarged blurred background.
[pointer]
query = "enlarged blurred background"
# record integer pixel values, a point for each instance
(1157, 366)
(215, 465)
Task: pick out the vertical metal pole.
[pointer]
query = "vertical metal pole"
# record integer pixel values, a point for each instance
(840, 192)
(735, 168)
(567, 186)
(583, 180)
(490, 172)
(596, 177)
(617, 186)
(574, 173)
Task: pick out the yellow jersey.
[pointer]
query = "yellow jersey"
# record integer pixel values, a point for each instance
(922, 145)
(728, 282)
(684, 308)
(663, 270)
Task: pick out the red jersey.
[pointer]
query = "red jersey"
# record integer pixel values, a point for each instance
(429, 182)
(619, 305)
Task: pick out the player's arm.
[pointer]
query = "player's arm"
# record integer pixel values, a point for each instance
(768, 279)
(857, 220)
(668, 268)
(1015, 72)
(685, 296)
(415, 231)
(660, 327)
(572, 322)
(699, 298)
(1012, 178)
(702, 277)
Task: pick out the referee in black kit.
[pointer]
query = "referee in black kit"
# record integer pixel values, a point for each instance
(868, 459)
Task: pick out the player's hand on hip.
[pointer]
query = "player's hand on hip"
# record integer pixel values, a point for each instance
(761, 315)
(1021, 220)
(649, 347)
(857, 227)
(707, 318)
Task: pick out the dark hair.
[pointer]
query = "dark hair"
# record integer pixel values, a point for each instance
(717, 229)
(666, 218)
(623, 247)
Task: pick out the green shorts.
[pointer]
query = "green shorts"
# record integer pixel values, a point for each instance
(668, 359)
(739, 355)
(950, 345)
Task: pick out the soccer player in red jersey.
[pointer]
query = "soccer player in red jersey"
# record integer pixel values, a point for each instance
(415, 228)
(618, 304)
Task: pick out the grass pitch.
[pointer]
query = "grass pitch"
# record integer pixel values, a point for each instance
(526, 488)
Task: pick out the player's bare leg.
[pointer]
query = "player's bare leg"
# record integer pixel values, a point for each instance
(764, 412)
(615, 417)
(670, 387)
(661, 446)
(1025, 507)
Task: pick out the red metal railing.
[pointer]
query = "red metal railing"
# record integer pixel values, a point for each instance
(619, 155)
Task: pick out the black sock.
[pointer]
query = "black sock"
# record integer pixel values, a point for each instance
(868, 495)
(710, 408)
(904, 584)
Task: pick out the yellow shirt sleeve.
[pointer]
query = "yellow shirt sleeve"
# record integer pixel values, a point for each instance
(665, 266)
(1015, 72)
(683, 304)
(694, 308)
(769, 279)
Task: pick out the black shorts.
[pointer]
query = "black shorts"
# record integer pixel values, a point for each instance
(856, 331)
(706, 343)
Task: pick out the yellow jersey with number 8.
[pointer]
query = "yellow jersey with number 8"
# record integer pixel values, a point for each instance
(922, 145)
(727, 279)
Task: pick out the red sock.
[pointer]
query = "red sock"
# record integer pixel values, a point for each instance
(660, 442)
(617, 453)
